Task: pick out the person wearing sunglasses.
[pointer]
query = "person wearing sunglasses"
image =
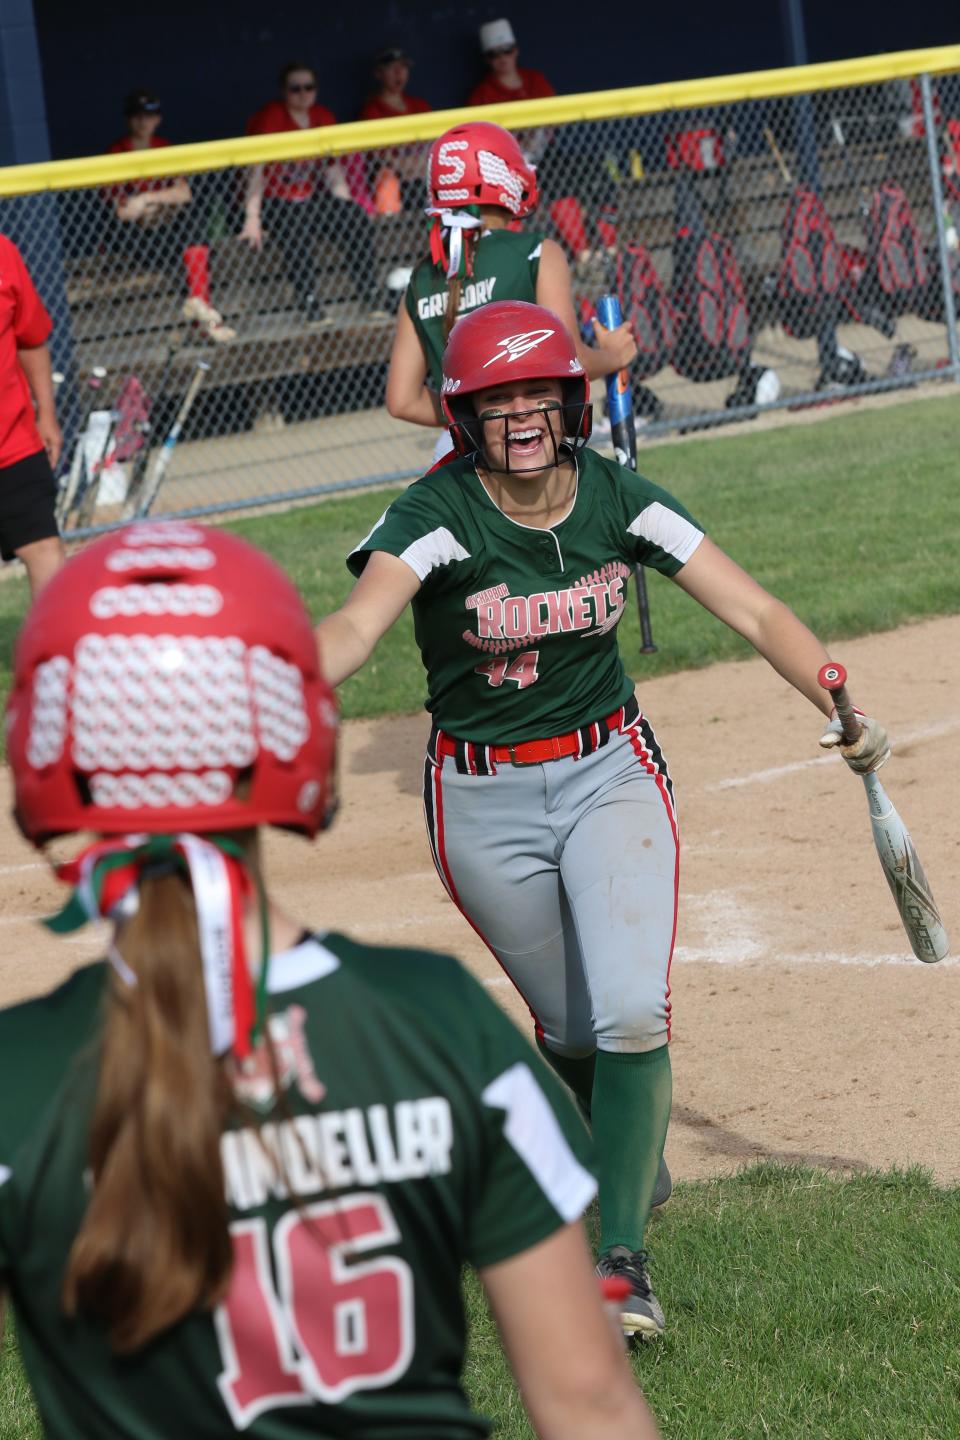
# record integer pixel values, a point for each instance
(580, 231)
(505, 79)
(296, 201)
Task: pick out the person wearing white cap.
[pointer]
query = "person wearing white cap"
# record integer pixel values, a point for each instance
(506, 79)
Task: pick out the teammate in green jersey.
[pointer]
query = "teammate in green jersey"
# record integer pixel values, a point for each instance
(479, 183)
(548, 803)
(242, 1164)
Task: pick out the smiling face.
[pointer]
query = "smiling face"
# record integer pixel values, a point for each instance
(522, 424)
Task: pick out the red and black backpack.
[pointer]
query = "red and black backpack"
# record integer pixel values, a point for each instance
(898, 272)
(708, 297)
(812, 284)
(646, 306)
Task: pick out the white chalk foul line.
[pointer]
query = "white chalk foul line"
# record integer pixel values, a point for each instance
(685, 955)
(18, 869)
(761, 777)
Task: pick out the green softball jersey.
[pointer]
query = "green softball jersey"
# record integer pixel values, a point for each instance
(505, 268)
(418, 1131)
(517, 626)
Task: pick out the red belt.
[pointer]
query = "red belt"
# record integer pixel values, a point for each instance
(533, 752)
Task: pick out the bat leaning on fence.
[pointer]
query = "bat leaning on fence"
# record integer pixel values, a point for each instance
(898, 857)
(623, 432)
(141, 499)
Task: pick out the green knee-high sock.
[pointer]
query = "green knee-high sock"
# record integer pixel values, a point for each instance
(576, 1072)
(631, 1111)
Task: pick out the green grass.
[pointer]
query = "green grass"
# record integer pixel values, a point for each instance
(799, 1305)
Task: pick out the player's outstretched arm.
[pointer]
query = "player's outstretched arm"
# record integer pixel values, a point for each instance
(564, 1350)
(346, 637)
(771, 627)
(615, 348)
(408, 397)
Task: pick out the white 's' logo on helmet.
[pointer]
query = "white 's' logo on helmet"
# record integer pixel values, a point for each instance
(513, 346)
(450, 167)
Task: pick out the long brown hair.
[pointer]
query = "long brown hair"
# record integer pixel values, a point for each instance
(471, 239)
(154, 1243)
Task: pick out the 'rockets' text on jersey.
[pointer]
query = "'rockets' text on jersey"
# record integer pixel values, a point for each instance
(517, 626)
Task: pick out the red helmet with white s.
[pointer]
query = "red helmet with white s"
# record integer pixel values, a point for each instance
(480, 164)
(505, 341)
(167, 680)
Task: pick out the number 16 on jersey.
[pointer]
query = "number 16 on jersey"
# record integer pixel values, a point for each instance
(624, 434)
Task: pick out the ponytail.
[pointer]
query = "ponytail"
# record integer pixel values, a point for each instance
(471, 239)
(154, 1243)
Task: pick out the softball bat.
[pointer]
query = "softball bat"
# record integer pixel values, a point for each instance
(623, 432)
(898, 856)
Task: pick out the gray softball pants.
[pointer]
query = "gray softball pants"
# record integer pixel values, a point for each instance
(568, 872)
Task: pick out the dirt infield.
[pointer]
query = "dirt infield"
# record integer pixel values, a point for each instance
(803, 1029)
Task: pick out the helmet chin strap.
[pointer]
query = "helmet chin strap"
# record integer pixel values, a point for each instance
(549, 408)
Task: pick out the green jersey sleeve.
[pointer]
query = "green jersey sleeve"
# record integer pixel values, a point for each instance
(661, 532)
(536, 1174)
(419, 529)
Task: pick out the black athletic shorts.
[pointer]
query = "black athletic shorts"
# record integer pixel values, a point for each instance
(27, 498)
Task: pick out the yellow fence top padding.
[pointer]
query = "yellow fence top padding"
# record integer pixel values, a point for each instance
(366, 135)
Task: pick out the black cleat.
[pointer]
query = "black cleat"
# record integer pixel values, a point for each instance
(640, 1313)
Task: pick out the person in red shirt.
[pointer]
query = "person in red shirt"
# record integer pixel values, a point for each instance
(294, 201)
(30, 440)
(506, 79)
(391, 70)
(154, 222)
(397, 175)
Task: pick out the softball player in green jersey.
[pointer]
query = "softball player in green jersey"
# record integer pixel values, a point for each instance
(548, 803)
(241, 1163)
(479, 183)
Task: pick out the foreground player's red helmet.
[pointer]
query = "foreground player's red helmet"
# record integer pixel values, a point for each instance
(511, 340)
(480, 164)
(167, 679)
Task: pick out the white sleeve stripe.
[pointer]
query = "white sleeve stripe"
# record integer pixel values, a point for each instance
(5, 1173)
(366, 538)
(664, 527)
(534, 1132)
(433, 550)
(535, 252)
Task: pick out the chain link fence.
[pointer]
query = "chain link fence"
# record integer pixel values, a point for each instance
(769, 252)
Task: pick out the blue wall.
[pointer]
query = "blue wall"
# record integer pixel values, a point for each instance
(215, 63)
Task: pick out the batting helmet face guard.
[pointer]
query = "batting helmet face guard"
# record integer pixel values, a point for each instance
(498, 344)
(167, 680)
(480, 164)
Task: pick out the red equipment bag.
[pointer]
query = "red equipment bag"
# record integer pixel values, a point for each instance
(813, 284)
(646, 306)
(708, 297)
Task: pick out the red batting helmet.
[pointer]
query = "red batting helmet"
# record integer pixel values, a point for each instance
(511, 340)
(480, 164)
(167, 679)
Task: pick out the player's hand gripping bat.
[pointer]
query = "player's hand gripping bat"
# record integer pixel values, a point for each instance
(901, 864)
(624, 434)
